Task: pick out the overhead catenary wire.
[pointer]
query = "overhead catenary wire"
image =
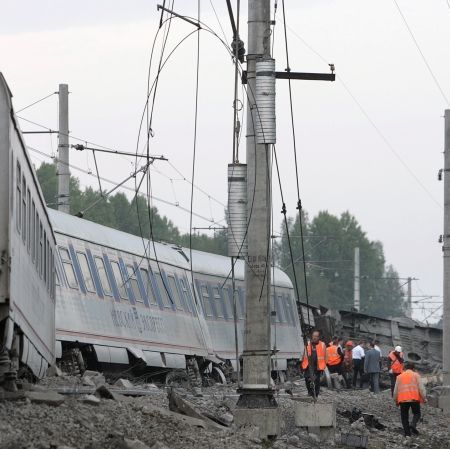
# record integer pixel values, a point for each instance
(110, 181)
(424, 59)
(36, 102)
(377, 130)
(194, 147)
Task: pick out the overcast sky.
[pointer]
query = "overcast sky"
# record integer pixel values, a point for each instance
(386, 176)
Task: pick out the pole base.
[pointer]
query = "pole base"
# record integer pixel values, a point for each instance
(258, 409)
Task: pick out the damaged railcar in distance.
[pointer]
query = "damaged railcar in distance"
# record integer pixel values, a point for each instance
(421, 343)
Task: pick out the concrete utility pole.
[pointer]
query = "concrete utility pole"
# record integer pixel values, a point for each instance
(256, 404)
(409, 304)
(446, 253)
(356, 285)
(63, 150)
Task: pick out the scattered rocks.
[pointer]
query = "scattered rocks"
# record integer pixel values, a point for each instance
(93, 379)
(91, 399)
(45, 397)
(124, 383)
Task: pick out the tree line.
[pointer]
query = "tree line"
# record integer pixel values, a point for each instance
(329, 243)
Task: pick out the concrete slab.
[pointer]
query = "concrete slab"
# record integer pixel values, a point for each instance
(310, 414)
(267, 420)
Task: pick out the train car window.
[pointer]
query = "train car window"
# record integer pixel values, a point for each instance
(24, 209)
(163, 291)
(68, 268)
(86, 270)
(174, 291)
(36, 241)
(280, 308)
(206, 299)
(218, 301)
(119, 280)
(33, 232)
(18, 197)
(44, 257)
(41, 249)
(227, 305)
(104, 281)
(228, 298)
(287, 309)
(134, 284)
(187, 295)
(29, 221)
(148, 286)
(241, 303)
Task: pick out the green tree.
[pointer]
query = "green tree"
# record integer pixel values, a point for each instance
(329, 243)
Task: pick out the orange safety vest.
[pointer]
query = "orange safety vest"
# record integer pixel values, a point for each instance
(396, 365)
(408, 387)
(348, 358)
(321, 350)
(333, 356)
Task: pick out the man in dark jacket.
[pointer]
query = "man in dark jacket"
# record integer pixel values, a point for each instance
(372, 367)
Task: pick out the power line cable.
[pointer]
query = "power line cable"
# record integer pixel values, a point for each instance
(36, 102)
(372, 123)
(194, 146)
(110, 181)
(416, 43)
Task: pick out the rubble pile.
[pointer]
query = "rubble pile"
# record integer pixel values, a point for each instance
(92, 414)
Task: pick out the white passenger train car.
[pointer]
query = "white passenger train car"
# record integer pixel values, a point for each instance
(27, 245)
(121, 299)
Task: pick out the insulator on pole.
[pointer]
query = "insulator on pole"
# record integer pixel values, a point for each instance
(264, 114)
(237, 210)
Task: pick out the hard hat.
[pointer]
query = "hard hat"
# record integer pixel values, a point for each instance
(398, 349)
(349, 343)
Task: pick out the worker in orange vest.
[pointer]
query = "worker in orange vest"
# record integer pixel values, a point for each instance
(409, 393)
(316, 351)
(335, 356)
(396, 360)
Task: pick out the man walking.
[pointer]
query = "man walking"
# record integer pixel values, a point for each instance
(316, 352)
(372, 367)
(409, 393)
(358, 355)
(396, 361)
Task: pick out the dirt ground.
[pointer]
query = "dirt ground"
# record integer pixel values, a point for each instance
(39, 418)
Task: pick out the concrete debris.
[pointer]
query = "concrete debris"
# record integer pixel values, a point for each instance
(179, 405)
(105, 393)
(91, 399)
(226, 419)
(93, 379)
(124, 383)
(45, 397)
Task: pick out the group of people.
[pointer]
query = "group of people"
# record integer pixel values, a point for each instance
(364, 362)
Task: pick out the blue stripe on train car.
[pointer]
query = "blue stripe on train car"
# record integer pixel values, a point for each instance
(77, 268)
(125, 277)
(112, 281)
(98, 286)
(169, 290)
(141, 285)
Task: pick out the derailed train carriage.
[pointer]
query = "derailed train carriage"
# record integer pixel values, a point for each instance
(27, 248)
(124, 301)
